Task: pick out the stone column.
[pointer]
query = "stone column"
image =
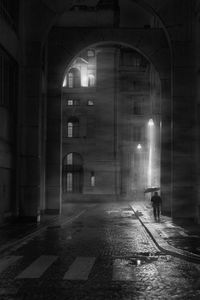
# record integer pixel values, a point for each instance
(54, 143)
(184, 169)
(29, 145)
(166, 145)
(197, 39)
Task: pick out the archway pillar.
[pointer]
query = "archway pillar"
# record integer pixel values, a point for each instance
(29, 147)
(184, 128)
(166, 146)
(53, 147)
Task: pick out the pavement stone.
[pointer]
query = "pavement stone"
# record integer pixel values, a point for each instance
(108, 232)
(168, 234)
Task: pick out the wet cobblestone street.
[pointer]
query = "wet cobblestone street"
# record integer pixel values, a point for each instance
(105, 253)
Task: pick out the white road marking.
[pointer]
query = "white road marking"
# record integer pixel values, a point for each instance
(80, 268)
(183, 233)
(112, 211)
(7, 261)
(38, 267)
(123, 271)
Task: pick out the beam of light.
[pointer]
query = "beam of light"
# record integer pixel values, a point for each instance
(65, 81)
(151, 145)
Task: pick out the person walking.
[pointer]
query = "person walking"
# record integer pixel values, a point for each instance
(156, 203)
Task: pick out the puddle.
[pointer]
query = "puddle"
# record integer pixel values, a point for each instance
(139, 261)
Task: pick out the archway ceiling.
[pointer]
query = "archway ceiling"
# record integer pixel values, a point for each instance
(95, 13)
(42, 15)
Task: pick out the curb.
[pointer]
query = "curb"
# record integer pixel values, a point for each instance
(186, 255)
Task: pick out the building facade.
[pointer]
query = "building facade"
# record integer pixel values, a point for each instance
(110, 94)
(134, 70)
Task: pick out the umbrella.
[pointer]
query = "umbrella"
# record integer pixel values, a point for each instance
(151, 189)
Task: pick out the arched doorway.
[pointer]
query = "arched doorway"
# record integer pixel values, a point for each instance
(72, 174)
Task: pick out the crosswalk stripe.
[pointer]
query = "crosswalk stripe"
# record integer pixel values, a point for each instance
(80, 268)
(38, 267)
(7, 261)
(123, 270)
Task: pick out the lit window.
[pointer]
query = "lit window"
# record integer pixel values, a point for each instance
(73, 127)
(70, 80)
(138, 106)
(73, 102)
(69, 102)
(69, 159)
(70, 129)
(91, 80)
(90, 102)
(92, 179)
(69, 182)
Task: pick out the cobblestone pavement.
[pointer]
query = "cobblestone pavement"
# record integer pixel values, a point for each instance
(105, 253)
(181, 234)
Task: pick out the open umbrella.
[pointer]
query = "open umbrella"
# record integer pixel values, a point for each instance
(151, 190)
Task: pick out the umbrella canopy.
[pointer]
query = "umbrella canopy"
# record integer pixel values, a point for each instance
(151, 189)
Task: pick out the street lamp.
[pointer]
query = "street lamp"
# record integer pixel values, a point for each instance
(151, 123)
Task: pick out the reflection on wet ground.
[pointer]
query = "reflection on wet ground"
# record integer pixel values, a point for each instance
(105, 253)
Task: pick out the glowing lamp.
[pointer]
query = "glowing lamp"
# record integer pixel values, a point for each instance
(150, 123)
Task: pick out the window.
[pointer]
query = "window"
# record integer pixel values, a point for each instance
(74, 78)
(69, 182)
(69, 102)
(69, 159)
(91, 80)
(90, 102)
(90, 53)
(75, 102)
(70, 129)
(92, 179)
(73, 173)
(73, 127)
(70, 80)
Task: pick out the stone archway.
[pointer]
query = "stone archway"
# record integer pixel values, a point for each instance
(152, 45)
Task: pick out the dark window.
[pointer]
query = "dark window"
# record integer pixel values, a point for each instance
(138, 106)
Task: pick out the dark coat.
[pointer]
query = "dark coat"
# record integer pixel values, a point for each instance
(156, 200)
